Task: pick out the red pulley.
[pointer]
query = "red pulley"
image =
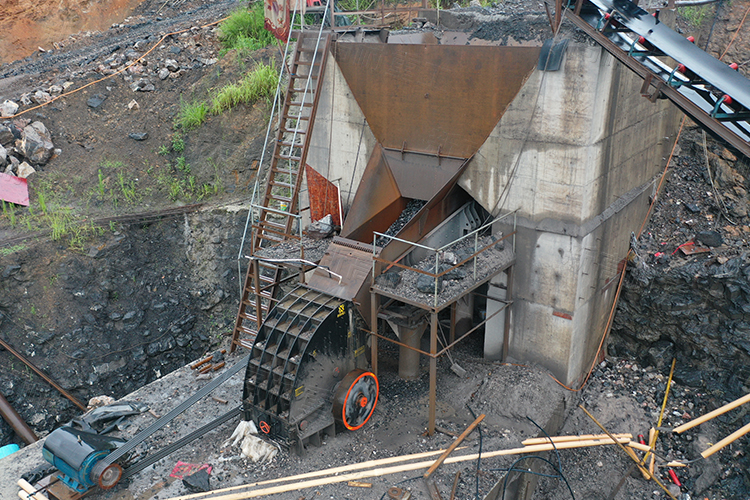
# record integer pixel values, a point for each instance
(727, 99)
(641, 40)
(355, 399)
(681, 68)
(691, 39)
(735, 66)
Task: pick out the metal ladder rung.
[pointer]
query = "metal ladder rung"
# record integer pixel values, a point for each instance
(287, 157)
(297, 131)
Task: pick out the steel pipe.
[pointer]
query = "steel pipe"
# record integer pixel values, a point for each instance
(16, 422)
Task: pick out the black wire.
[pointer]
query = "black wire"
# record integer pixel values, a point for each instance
(513, 467)
(557, 468)
(559, 463)
(711, 31)
(524, 471)
(479, 456)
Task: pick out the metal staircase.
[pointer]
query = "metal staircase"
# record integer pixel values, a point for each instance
(280, 202)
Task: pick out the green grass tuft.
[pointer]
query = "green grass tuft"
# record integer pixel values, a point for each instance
(694, 14)
(245, 30)
(192, 115)
(258, 84)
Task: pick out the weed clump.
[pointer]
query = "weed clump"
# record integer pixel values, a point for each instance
(244, 30)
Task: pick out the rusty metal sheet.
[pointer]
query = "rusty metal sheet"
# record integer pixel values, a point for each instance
(324, 196)
(355, 267)
(421, 176)
(432, 98)
(376, 204)
(14, 189)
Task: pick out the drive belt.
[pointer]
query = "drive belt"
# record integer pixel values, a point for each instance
(102, 465)
(151, 459)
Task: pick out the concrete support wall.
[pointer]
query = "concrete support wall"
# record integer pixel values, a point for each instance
(339, 133)
(576, 154)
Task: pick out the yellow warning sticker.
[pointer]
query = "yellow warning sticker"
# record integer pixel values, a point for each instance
(359, 351)
(299, 390)
(342, 310)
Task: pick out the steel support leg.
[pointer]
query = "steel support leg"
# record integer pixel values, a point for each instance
(373, 338)
(433, 372)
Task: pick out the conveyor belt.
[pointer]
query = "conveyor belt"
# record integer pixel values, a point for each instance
(144, 434)
(617, 26)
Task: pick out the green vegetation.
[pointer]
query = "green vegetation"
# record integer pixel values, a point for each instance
(258, 84)
(244, 30)
(191, 115)
(124, 187)
(694, 14)
(178, 143)
(4, 252)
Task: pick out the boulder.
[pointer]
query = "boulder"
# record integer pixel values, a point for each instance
(36, 143)
(25, 170)
(142, 85)
(710, 238)
(171, 65)
(6, 136)
(41, 97)
(8, 108)
(164, 74)
(426, 284)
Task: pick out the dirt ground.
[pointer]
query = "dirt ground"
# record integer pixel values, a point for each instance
(624, 395)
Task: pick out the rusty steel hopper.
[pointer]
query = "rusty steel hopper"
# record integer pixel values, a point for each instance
(430, 107)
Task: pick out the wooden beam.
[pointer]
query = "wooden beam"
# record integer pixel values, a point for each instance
(564, 439)
(323, 472)
(708, 416)
(453, 446)
(355, 476)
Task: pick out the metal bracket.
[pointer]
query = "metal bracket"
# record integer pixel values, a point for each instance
(657, 88)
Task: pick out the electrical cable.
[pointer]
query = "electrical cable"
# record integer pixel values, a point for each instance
(356, 159)
(513, 465)
(736, 32)
(713, 24)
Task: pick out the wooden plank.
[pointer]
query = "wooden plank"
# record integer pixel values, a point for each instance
(708, 416)
(453, 446)
(563, 439)
(393, 470)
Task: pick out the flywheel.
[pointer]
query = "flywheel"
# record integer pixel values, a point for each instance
(355, 399)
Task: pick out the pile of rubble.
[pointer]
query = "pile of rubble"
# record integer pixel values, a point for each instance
(24, 146)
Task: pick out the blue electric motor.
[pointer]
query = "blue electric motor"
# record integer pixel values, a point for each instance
(75, 453)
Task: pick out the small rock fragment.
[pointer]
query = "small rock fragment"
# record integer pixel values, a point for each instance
(139, 136)
(96, 100)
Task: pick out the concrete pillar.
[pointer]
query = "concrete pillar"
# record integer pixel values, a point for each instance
(409, 333)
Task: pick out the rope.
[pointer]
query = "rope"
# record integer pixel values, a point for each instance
(124, 68)
(735, 34)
